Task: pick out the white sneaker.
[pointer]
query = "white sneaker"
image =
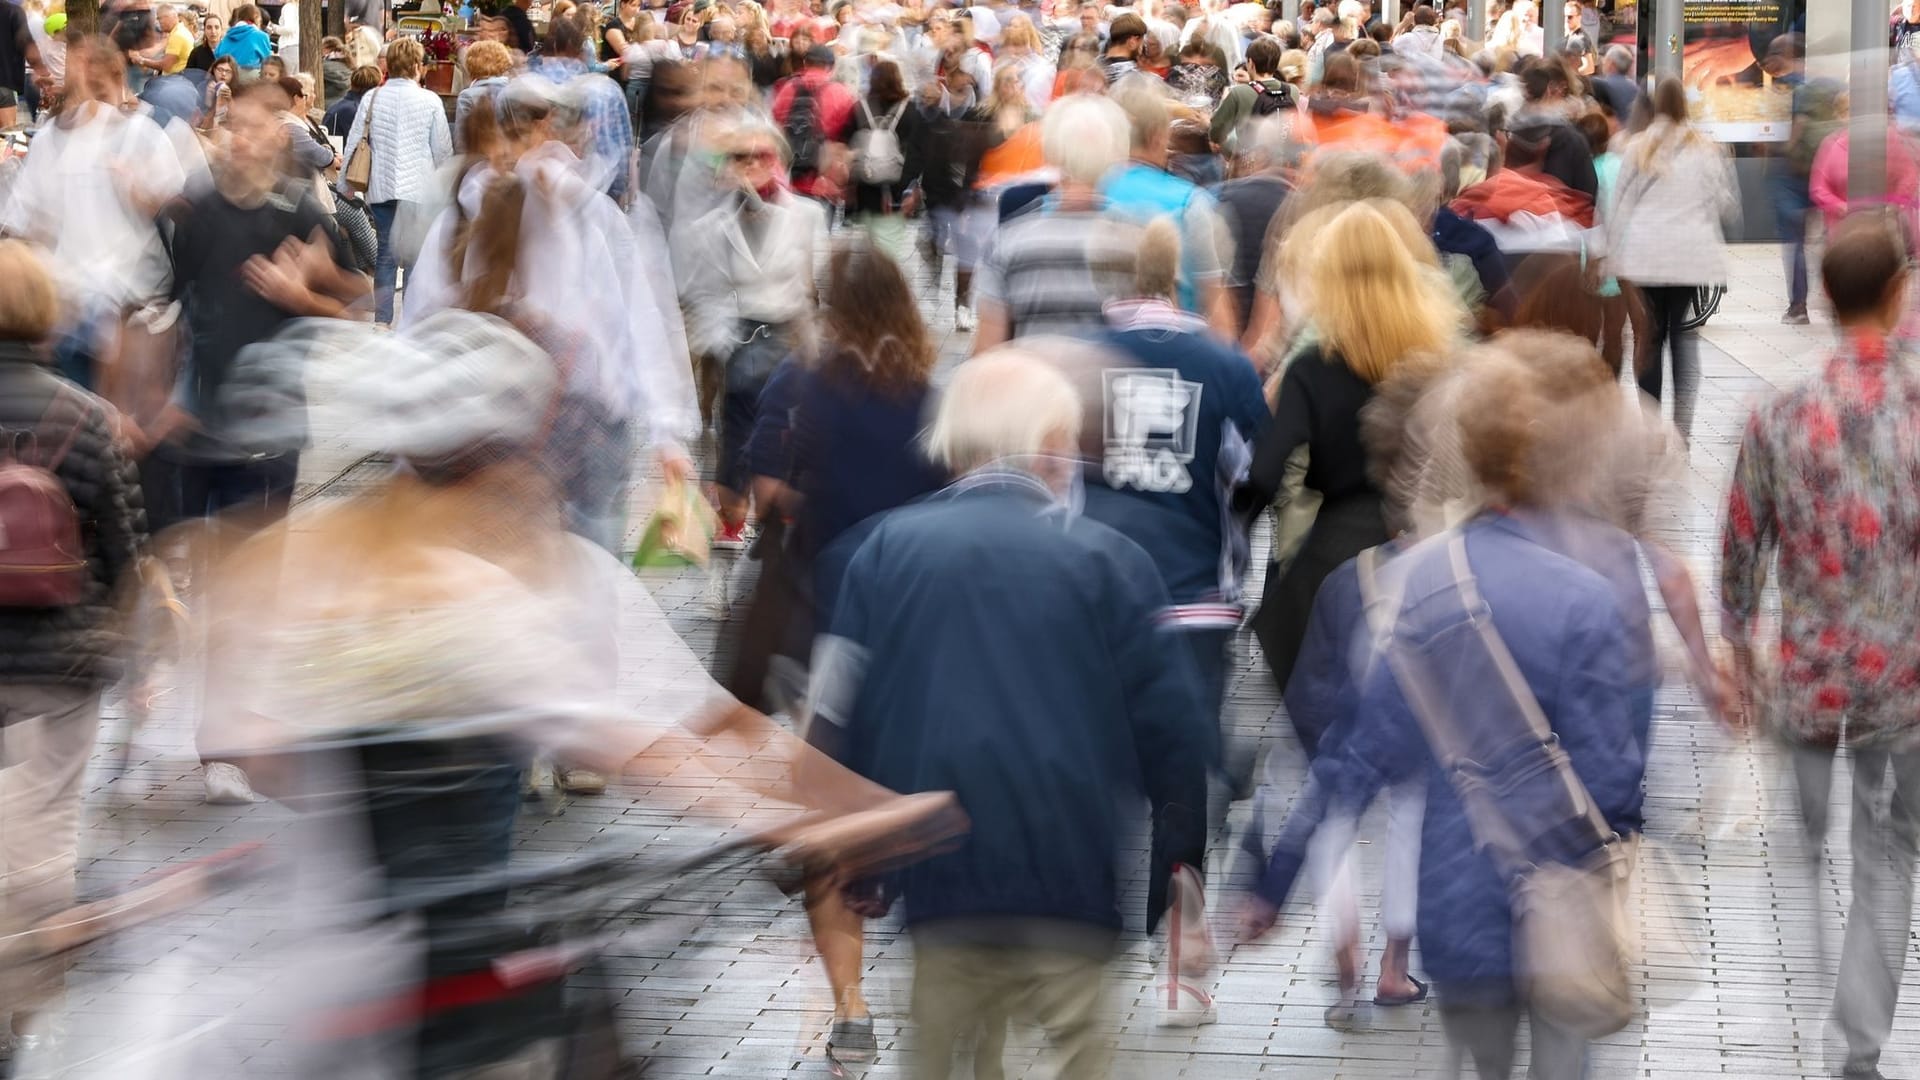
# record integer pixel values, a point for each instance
(227, 785)
(963, 319)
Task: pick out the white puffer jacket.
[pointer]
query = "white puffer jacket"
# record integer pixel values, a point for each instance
(410, 140)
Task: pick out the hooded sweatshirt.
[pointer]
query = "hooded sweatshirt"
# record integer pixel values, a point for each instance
(247, 44)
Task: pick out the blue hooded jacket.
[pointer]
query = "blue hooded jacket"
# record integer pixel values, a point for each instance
(247, 44)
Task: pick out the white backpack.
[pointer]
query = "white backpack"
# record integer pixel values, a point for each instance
(877, 157)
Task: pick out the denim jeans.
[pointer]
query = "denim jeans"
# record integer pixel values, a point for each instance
(386, 266)
(1791, 203)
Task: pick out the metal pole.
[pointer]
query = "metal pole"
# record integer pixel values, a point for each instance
(1476, 28)
(1390, 12)
(1290, 10)
(1867, 116)
(1668, 27)
(1553, 27)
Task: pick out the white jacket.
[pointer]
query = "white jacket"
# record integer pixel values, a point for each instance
(410, 140)
(725, 279)
(1664, 226)
(596, 273)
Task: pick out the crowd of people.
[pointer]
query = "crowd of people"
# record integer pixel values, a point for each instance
(1386, 307)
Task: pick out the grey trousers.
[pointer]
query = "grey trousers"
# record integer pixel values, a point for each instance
(961, 990)
(1885, 837)
(1487, 1035)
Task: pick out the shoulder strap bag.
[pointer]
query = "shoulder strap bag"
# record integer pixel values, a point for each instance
(359, 168)
(1568, 873)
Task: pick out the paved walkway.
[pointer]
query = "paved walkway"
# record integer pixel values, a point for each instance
(741, 995)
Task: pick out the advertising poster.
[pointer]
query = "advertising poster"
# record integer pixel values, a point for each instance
(1735, 98)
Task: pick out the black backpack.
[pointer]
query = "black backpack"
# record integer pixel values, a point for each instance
(1268, 101)
(802, 130)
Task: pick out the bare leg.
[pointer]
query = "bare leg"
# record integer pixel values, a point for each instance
(840, 939)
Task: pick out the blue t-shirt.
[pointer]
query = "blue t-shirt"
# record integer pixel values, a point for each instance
(1142, 193)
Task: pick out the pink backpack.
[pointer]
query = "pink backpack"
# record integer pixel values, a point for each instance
(43, 563)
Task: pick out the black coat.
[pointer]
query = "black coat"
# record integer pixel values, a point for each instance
(79, 645)
(947, 148)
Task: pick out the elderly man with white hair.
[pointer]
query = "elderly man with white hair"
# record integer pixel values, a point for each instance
(1052, 269)
(991, 641)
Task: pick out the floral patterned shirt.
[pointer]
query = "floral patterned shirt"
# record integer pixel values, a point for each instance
(1828, 479)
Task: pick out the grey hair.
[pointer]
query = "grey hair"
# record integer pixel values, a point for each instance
(1083, 136)
(1270, 142)
(1009, 402)
(1619, 60)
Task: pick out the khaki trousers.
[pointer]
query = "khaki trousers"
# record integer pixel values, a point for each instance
(961, 989)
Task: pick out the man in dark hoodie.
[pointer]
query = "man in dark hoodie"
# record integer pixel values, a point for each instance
(1544, 120)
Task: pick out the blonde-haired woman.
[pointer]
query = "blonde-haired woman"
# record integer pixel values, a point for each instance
(1022, 52)
(1665, 230)
(1376, 301)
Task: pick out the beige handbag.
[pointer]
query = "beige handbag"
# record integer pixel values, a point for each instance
(1572, 951)
(359, 167)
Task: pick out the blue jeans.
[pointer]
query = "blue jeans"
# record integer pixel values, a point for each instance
(1790, 206)
(386, 265)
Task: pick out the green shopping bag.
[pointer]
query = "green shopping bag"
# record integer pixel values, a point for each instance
(679, 532)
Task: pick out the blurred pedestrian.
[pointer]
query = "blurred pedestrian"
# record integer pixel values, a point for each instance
(1665, 236)
(952, 128)
(990, 641)
(248, 256)
(61, 630)
(1267, 152)
(247, 44)
(885, 165)
(747, 292)
(339, 117)
(1546, 672)
(405, 127)
(90, 194)
(1052, 270)
(836, 446)
(1145, 189)
(1167, 485)
(1824, 484)
(1373, 305)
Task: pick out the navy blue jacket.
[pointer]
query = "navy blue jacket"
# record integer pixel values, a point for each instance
(1164, 480)
(1563, 626)
(1010, 654)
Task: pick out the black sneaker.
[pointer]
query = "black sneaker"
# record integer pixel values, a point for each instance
(852, 1040)
(1795, 316)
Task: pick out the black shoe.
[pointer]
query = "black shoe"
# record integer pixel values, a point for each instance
(1795, 316)
(852, 1040)
(1868, 1072)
